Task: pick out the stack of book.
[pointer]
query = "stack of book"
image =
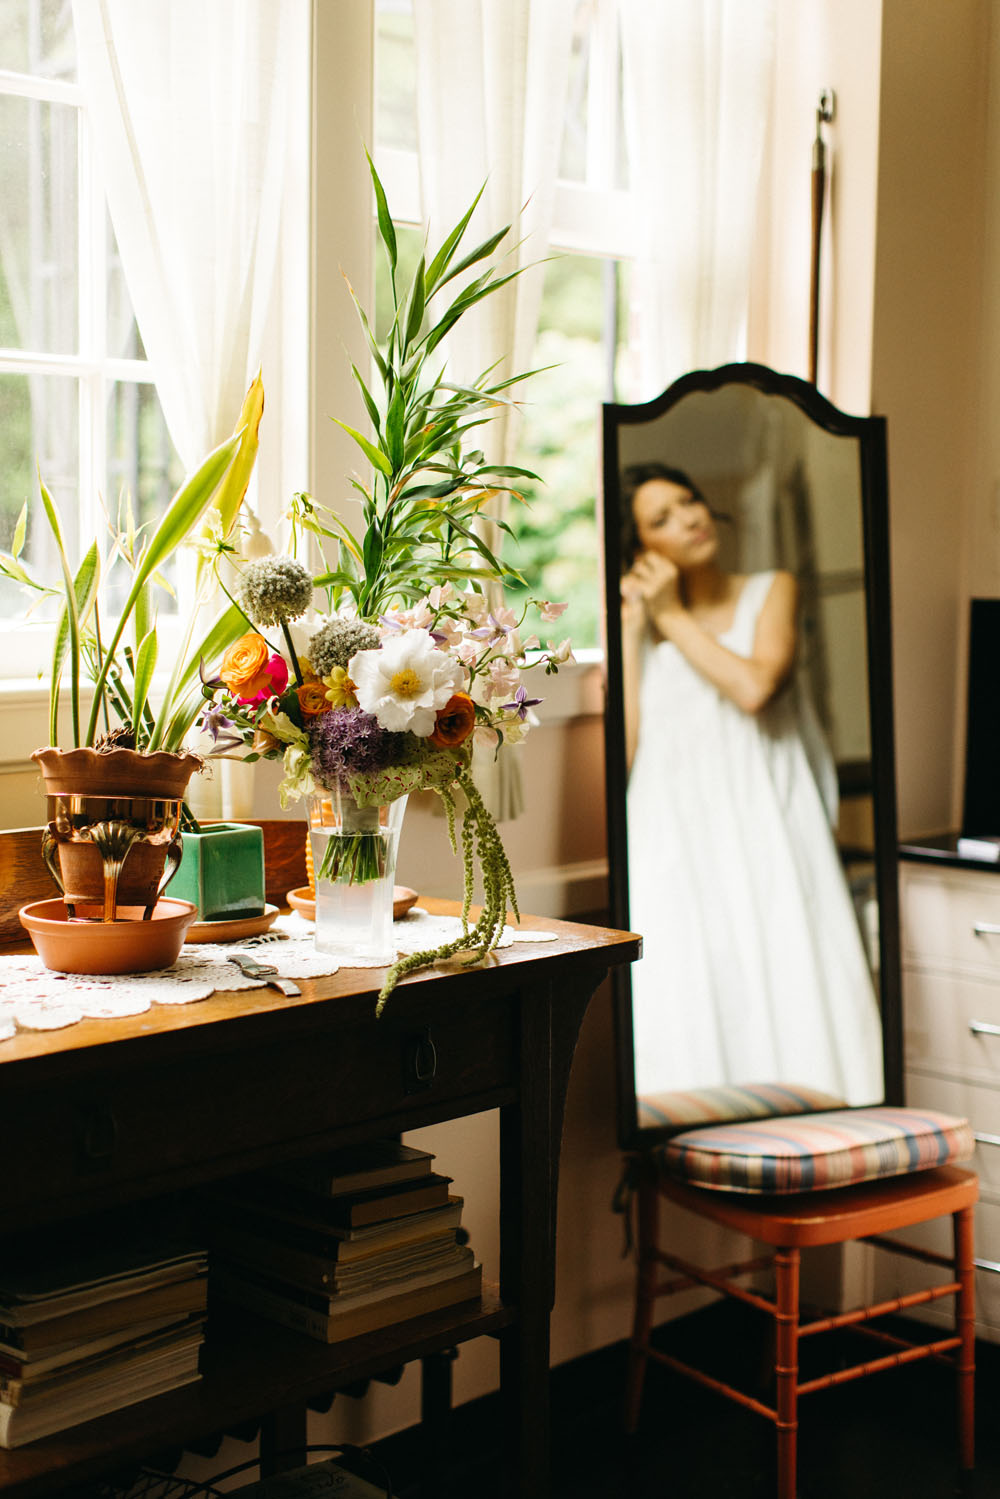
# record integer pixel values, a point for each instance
(91, 1334)
(341, 1245)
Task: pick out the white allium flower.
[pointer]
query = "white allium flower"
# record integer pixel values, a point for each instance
(405, 683)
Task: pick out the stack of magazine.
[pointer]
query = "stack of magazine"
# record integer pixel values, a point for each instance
(91, 1332)
(340, 1245)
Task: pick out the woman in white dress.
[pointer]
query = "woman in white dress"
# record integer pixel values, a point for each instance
(753, 967)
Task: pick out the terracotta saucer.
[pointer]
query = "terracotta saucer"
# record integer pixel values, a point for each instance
(303, 901)
(234, 930)
(85, 944)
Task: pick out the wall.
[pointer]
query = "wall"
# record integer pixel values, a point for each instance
(926, 368)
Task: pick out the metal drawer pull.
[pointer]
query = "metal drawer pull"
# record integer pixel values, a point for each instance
(990, 1265)
(986, 929)
(983, 1139)
(981, 1028)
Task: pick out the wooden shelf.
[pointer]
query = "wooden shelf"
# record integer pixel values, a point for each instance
(250, 1367)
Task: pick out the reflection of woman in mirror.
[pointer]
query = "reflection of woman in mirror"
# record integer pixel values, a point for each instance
(753, 966)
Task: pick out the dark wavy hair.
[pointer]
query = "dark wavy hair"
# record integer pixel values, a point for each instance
(635, 475)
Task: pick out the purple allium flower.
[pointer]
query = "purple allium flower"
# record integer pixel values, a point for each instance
(349, 741)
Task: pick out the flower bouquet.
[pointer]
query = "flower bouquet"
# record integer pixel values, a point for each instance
(413, 658)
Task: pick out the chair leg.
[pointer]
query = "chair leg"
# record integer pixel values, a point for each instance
(786, 1263)
(965, 1315)
(645, 1296)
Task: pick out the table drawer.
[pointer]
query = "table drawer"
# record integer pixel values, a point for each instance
(141, 1129)
(951, 917)
(952, 1022)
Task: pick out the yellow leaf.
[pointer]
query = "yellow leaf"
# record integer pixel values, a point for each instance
(234, 486)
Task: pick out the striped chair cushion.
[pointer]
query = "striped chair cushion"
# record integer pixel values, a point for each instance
(836, 1149)
(721, 1105)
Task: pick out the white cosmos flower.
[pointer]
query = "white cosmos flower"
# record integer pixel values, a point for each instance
(405, 682)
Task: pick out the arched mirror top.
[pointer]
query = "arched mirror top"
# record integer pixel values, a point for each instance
(794, 484)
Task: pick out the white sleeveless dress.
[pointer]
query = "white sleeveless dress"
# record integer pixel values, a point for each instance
(753, 966)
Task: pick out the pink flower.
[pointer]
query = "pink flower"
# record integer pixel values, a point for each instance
(276, 673)
(504, 679)
(550, 612)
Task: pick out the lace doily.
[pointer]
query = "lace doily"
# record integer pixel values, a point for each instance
(33, 998)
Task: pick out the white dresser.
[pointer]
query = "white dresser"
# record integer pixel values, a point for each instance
(950, 929)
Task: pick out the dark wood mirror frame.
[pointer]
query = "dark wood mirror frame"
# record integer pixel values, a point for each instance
(870, 434)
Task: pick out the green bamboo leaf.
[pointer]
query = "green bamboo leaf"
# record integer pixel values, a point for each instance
(20, 531)
(230, 494)
(376, 352)
(366, 396)
(474, 256)
(394, 423)
(374, 455)
(385, 227)
(142, 677)
(443, 257)
(415, 304)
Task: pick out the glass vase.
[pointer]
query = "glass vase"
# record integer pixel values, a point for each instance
(354, 862)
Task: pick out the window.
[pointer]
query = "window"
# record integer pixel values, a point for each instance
(582, 332)
(77, 402)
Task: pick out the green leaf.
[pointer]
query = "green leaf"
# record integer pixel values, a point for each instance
(385, 227)
(443, 257)
(183, 514)
(368, 399)
(479, 253)
(142, 677)
(415, 304)
(374, 455)
(72, 624)
(394, 424)
(20, 531)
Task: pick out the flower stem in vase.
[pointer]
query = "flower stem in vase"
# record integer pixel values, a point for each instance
(354, 856)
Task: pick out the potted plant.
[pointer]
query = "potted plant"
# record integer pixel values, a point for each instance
(414, 656)
(116, 783)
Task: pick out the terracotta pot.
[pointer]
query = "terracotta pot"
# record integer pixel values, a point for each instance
(112, 835)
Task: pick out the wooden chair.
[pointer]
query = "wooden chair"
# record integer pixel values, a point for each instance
(792, 1182)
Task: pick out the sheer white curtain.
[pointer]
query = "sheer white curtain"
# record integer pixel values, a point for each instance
(697, 79)
(491, 90)
(187, 103)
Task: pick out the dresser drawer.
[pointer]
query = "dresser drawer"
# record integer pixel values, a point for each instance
(947, 916)
(897, 1276)
(973, 1101)
(951, 1022)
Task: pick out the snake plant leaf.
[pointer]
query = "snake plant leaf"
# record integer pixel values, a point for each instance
(374, 455)
(385, 226)
(72, 620)
(145, 666)
(184, 512)
(85, 590)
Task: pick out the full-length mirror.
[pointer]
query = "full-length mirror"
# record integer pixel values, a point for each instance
(751, 797)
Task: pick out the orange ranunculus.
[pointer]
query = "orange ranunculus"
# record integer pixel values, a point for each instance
(454, 722)
(243, 665)
(312, 698)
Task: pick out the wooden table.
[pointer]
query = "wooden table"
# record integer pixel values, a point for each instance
(108, 1113)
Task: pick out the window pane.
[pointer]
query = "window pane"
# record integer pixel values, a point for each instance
(573, 154)
(143, 466)
(36, 36)
(124, 341)
(557, 547)
(38, 426)
(39, 243)
(395, 76)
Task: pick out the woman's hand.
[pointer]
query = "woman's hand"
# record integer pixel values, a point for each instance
(653, 581)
